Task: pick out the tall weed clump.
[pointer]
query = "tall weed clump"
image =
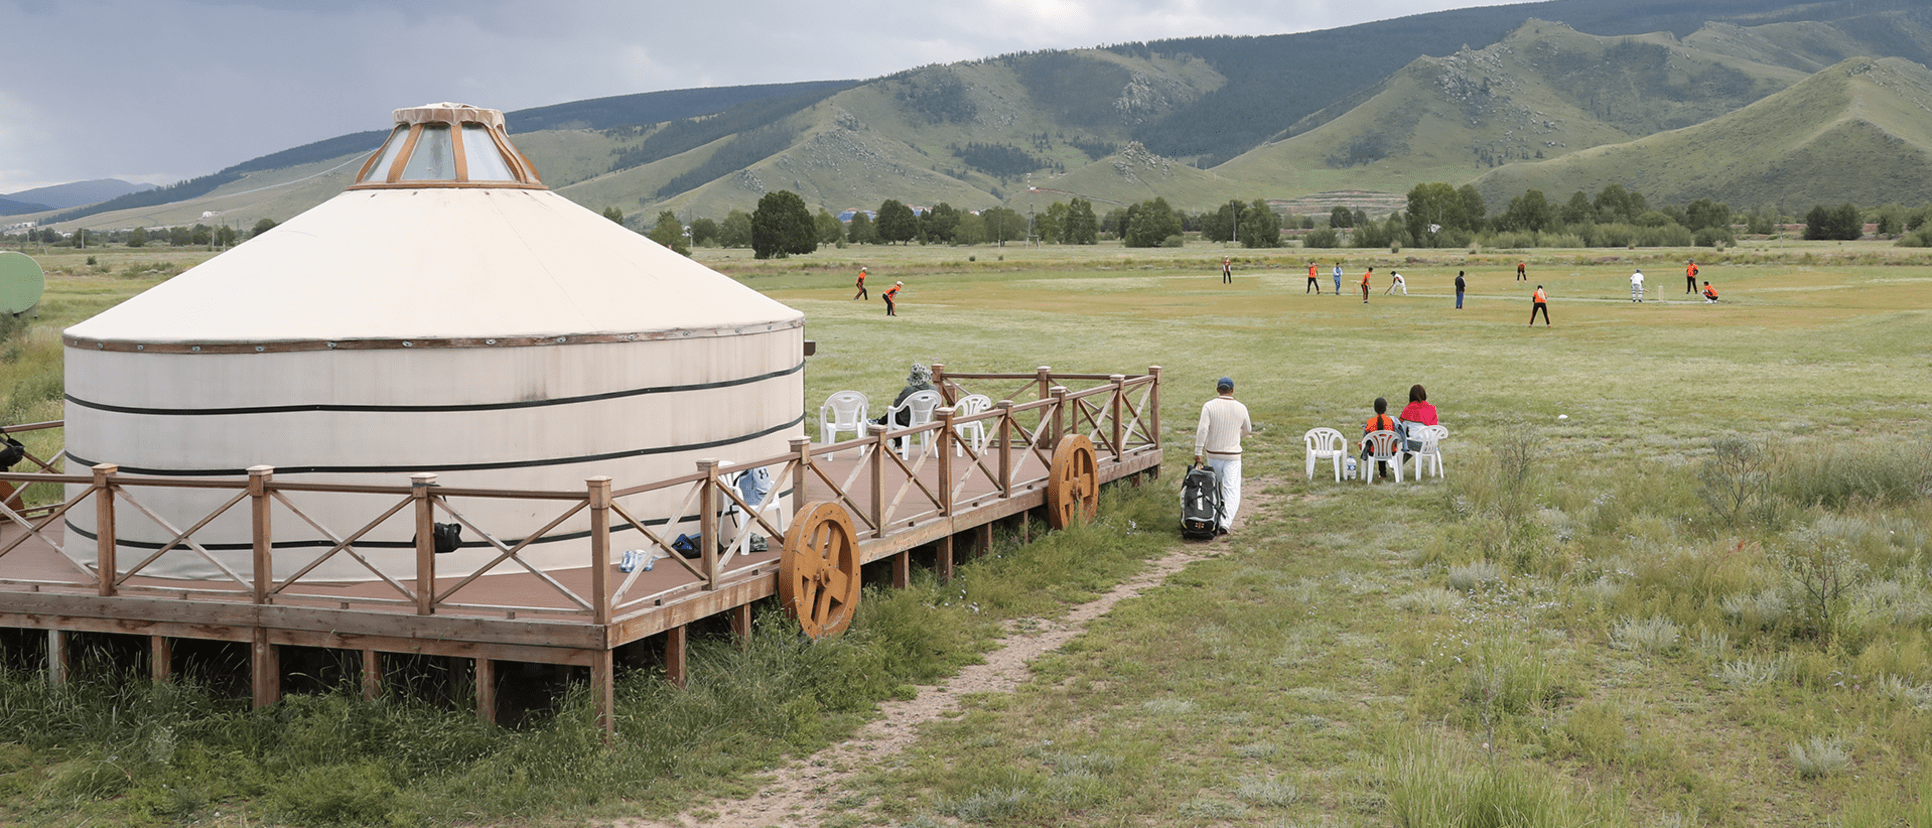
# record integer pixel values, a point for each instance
(1430, 783)
(1735, 482)
(1892, 469)
(1496, 496)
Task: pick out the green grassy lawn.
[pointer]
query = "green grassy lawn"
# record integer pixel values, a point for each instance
(1292, 681)
(1677, 574)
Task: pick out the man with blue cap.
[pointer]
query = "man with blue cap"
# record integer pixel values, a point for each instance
(1224, 421)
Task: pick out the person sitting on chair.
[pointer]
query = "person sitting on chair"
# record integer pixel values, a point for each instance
(920, 379)
(1417, 412)
(1380, 422)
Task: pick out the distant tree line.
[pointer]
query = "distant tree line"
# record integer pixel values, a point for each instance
(1442, 215)
(1434, 215)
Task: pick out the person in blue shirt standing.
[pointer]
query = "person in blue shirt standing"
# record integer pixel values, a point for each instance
(1338, 278)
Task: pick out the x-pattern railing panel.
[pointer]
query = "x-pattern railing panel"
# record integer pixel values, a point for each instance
(1108, 408)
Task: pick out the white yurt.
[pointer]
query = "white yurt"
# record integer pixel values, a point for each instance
(447, 313)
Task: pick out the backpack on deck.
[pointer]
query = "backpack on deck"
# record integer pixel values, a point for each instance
(1200, 503)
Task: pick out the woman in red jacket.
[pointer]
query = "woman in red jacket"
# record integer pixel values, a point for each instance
(1417, 413)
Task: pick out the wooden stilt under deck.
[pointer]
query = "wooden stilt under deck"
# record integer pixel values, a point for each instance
(486, 690)
(371, 674)
(603, 688)
(741, 625)
(675, 647)
(160, 657)
(265, 669)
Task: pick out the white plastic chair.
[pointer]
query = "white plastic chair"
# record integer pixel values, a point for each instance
(843, 411)
(974, 432)
(1325, 444)
(918, 408)
(1426, 449)
(1382, 446)
(1431, 449)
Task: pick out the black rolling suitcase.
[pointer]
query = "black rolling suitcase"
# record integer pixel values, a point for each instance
(1200, 503)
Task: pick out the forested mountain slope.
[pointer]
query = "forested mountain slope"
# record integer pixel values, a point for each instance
(1859, 131)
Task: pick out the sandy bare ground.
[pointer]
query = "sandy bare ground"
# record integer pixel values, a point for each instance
(805, 792)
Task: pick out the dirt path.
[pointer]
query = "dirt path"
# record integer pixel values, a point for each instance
(802, 793)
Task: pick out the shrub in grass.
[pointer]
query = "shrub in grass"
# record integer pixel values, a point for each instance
(1710, 646)
(1896, 688)
(361, 793)
(1431, 784)
(1746, 673)
(1819, 756)
(1762, 610)
(997, 805)
(1896, 468)
(1648, 636)
(1820, 573)
(1505, 677)
(1735, 481)
(1475, 575)
(1428, 600)
(1268, 792)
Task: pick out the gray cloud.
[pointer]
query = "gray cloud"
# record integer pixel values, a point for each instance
(162, 90)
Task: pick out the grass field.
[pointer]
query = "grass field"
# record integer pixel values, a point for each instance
(1677, 573)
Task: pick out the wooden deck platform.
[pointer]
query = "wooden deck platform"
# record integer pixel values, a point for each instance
(576, 616)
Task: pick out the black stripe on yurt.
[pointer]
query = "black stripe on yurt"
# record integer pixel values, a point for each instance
(418, 409)
(616, 528)
(449, 467)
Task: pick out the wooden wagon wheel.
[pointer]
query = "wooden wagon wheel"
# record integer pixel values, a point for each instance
(818, 573)
(1073, 484)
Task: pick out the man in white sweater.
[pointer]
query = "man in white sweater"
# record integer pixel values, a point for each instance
(1224, 421)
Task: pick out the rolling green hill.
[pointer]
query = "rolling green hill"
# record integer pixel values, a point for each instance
(1449, 96)
(1544, 91)
(1858, 131)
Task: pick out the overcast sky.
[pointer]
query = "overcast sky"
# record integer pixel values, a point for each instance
(158, 91)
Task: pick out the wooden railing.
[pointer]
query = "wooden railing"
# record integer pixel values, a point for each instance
(884, 492)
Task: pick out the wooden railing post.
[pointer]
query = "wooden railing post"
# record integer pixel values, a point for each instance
(419, 488)
(880, 445)
(1119, 403)
(1059, 426)
(801, 472)
(1154, 406)
(599, 487)
(708, 520)
(1006, 455)
(939, 382)
(946, 441)
(1043, 376)
(258, 515)
(107, 568)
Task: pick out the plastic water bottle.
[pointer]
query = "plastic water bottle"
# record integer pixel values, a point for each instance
(1350, 467)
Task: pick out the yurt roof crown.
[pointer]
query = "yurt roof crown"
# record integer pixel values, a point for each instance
(448, 145)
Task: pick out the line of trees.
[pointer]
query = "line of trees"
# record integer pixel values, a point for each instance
(1434, 215)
